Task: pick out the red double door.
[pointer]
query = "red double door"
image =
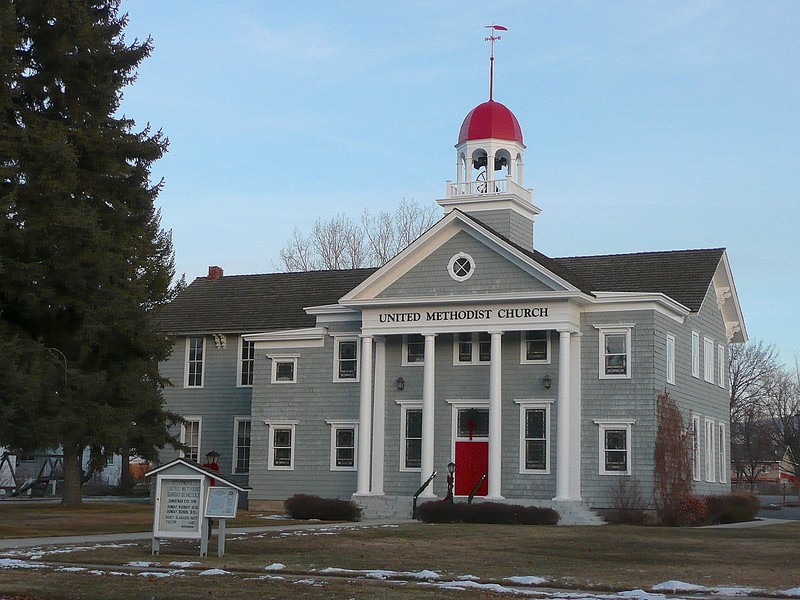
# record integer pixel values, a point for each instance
(471, 450)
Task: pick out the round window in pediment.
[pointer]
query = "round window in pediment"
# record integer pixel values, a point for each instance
(461, 266)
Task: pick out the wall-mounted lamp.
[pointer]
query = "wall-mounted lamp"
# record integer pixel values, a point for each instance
(400, 383)
(547, 381)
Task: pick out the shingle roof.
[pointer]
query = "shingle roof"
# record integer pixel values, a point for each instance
(683, 275)
(251, 303)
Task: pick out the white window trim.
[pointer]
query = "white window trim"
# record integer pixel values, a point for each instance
(606, 424)
(695, 354)
(670, 359)
(406, 405)
(202, 364)
(272, 426)
(239, 370)
(336, 341)
(199, 420)
(696, 465)
(404, 356)
(534, 404)
(708, 360)
(476, 350)
(721, 366)
(336, 425)
(451, 264)
(523, 353)
(235, 460)
(282, 358)
(621, 328)
(723, 455)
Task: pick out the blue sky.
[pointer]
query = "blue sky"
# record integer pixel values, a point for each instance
(649, 125)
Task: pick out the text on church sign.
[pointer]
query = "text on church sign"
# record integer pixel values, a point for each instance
(463, 315)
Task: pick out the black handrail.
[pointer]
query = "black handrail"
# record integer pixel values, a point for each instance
(419, 491)
(475, 489)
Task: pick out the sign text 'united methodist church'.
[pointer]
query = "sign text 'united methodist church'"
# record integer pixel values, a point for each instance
(464, 315)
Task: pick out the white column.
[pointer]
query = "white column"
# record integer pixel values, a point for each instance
(428, 389)
(563, 418)
(520, 172)
(575, 417)
(490, 173)
(460, 172)
(379, 416)
(495, 418)
(365, 417)
(469, 166)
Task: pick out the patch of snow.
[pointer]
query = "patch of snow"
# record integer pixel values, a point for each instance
(527, 580)
(273, 517)
(424, 574)
(275, 567)
(13, 563)
(156, 574)
(678, 586)
(36, 553)
(141, 563)
(313, 582)
(71, 569)
(464, 584)
(735, 591)
(793, 592)
(214, 572)
(183, 564)
(384, 574)
(469, 578)
(642, 595)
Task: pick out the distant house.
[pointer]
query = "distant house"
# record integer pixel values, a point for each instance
(775, 469)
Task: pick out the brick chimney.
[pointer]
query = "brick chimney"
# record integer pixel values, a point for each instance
(214, 273)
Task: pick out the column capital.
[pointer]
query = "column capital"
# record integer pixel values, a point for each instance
(431, 335)
(366, 336)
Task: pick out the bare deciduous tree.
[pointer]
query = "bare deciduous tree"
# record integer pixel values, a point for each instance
(783, 407)
(341, 243)
(750, 366)
(673, 460)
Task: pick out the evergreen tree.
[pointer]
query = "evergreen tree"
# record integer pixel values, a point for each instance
(84, 260)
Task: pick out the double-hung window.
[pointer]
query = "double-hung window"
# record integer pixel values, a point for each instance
(344, 448)
(472, 348)
(721, 365)
(190, 436)
(723, 455)
(695, 448)
(411, 436)
(615, 447)
(241, 445)
(615, 351)
(247, 360)
(710, 451)
(534, 436)
(695, 354)
(413, 349)
(535, 347)
(345, 362)
(195, 360)
(670, 358)
(708, 360)
(280, 455)
(284, 368)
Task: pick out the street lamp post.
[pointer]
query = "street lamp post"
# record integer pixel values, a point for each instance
(451, 469)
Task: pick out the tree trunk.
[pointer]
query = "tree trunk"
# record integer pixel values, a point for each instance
(73, 475)
(125, 479)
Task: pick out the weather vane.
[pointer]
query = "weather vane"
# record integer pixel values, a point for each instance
(492, 37)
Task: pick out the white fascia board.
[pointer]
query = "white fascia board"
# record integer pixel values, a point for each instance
(619, 301)
(333, 312)
(578, 296)
(731, 309)
(451, 224)
(312, 337)
(199, 469)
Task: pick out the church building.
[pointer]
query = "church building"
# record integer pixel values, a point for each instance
(536, 376)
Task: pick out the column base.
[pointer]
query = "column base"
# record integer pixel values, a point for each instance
(498, 497)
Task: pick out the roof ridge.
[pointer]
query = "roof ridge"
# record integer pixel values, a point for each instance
(646, 253)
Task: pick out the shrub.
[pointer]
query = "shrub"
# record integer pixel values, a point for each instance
(304, 506)
(732, 508)
(485, 512)
(691, 510)
(629, 505)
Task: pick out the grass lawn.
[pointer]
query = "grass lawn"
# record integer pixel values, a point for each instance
(600, 558)
(38, 519)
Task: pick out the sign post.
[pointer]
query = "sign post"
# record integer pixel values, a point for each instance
(188, 496)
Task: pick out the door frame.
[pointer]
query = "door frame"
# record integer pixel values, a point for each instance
(455, 406)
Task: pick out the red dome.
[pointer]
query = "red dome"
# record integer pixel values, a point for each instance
(490, 120)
